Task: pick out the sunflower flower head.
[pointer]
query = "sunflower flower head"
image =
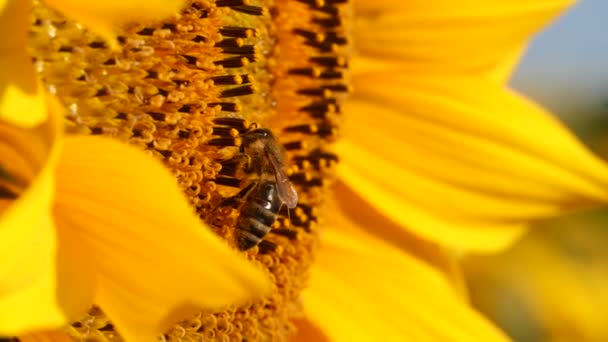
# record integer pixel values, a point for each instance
(185, 89)
(73, 209)
(424, 168)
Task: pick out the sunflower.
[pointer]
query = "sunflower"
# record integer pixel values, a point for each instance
(437, 157)
(74, 209)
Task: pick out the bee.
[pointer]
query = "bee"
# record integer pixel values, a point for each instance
(260, 201)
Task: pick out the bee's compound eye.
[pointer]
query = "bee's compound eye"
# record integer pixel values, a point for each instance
(262, 132)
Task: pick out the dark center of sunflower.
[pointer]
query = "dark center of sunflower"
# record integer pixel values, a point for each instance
(189, 90)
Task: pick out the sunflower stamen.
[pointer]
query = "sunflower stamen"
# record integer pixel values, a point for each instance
(231, 3)
(231, 79)
(224, 142)
(6, 193)
(288, 233)
(230, 42)
(226, 106)
(306, 129)
(294, 145)
(228, 181)
(225, 131)
(252, 10)
(331, 61)
(237, 32)
(238, 91)
(235, 62)
(246, 50)
(237, 123)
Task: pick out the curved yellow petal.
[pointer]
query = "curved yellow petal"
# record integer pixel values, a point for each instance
(470, 8)
(155, 262)
(34, 306)
(75, 275)
(46, 336)
(503, 69)
(569, 260)
(447, 36)
(362, 289)
(21, 100)
(350, 204)
(460, 160)
(103, 16)
(27, 233)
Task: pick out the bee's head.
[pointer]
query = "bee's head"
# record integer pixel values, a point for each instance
(255, 135)
(261, 132)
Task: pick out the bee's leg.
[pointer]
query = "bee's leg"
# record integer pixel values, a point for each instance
(230, 166)
(229, 202)
(248, 163)
(266, 246)
(237, 199)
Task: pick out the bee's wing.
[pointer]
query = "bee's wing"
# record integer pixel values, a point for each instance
(285, 189)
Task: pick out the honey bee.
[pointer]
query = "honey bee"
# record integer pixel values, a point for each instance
(260, 201)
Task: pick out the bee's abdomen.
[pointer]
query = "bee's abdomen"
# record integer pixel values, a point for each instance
(250, 232)
(259, 212)
(257, 215)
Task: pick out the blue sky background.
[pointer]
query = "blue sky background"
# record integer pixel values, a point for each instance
(566, 68)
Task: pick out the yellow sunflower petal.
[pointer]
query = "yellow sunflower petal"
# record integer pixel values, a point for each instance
(359, 210)
(103, 16)
(34, 306)
(443, 36)
(21, 100)
(460, 160)
(27, 233)
(30, 304)
(504, 68)
(570, 259)
(46, 336)
(155, 261)
(362, 289)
